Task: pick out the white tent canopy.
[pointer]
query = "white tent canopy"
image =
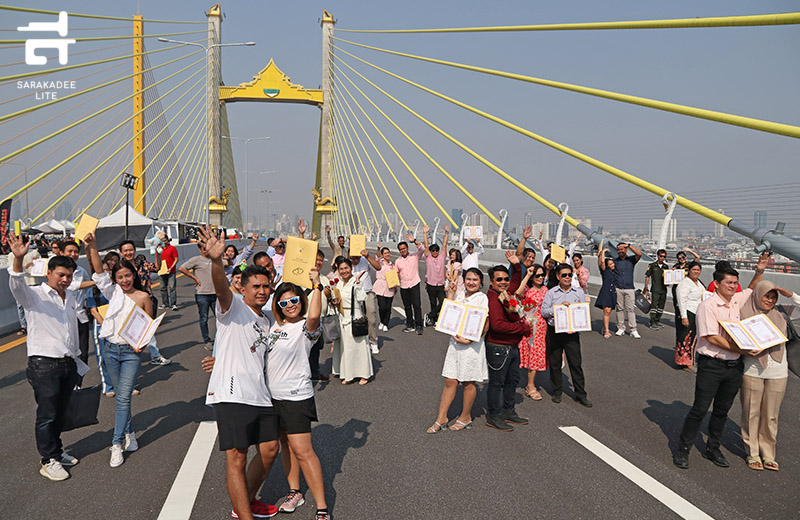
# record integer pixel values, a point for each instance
(56, 226)
(117, 219)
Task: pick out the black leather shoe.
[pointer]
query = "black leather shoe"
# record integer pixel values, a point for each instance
(495, 421)
(556, 398)
(512, 417)
(716, 456)
(681, 458)
(584, 401)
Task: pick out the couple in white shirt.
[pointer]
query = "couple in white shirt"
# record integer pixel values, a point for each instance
(260, 386)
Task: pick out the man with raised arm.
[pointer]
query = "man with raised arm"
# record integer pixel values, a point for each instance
(53, 352)
(626, 292)
(469, 255)
(339, 248)
(434, 277)
(408, 272)
(238, 389)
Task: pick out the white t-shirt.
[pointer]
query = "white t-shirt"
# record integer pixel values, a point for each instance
(239, 374)
(288, 372)
(366, 279)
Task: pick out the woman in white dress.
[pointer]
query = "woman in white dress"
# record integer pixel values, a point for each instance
(465, 361)
(351, 357)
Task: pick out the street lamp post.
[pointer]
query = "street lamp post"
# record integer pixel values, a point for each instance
(246, 170)
(128, 182)
(208, 108)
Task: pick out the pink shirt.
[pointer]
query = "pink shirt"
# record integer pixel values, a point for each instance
(408, 269)
(709, 313)
(434, 269)
(379, 287)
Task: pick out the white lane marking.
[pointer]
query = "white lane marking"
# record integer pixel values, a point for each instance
(180, 500)
(659, 491)
(400, 311)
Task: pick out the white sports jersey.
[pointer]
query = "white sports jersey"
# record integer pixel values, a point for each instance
(288, 372)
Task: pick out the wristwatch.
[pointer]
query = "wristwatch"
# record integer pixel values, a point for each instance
(320, 287)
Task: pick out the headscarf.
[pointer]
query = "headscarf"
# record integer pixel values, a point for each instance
(752, 307)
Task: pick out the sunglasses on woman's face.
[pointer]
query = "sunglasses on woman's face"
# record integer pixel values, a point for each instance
(539, 275)
(294, 300)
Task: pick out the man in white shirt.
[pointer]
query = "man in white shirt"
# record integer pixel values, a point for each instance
(80, 281)
(237, 389)
(52, 344)
(27, 263)
(469, 255)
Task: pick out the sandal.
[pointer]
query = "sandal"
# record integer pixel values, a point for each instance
(606, 334)
(770, 464)
(436, 428)
(535, 395)
(755, 463)
(460, 425)
(363, 381)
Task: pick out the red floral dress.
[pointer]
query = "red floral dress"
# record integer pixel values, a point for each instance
(532, 349)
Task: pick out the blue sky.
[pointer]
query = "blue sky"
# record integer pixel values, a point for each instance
(746, 71)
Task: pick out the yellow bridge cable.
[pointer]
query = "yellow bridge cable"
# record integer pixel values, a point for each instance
(197, 159)
(349, 166)
(349, 148)
(197, 109)
(336, 91)
(97, 178)
(91, 63)
(701, 113)
(28, 147)
(675, 23)
(447, 174)
(104, 38)
(50, 152)
(190, 145)
(686, 203)
(66, 176)
(202, 192)
(343, 184)
(118, 150)
(167, 141)
(337, 96)
(419, 181)
(102, 85)
(78, 15)
(358, 154)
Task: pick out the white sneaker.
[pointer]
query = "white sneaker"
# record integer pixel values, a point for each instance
(385, 328)
(620, 332)
(54, 471)
(373, 347)
(67, 459)
(635, 335)
(130, 442)
(117, 458)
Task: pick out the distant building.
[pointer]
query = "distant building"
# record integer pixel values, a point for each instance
(655, 229)
(455, 214)
(719, 229)
(760, 219)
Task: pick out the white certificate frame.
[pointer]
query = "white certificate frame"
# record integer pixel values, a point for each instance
(678, 276)
(580, 319)
(474, 321)
(561, 318)
(39, 267)
(740, 336)
(669, 277)
(764, 331)
(138, 328)
(451, 317)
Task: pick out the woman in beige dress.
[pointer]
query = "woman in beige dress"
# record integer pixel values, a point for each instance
(351, 356)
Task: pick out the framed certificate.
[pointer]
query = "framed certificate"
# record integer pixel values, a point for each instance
(474, 320)
(468, 232)
(39, 267)
(561, 318)
(707, 295)
(138, 328)
(678, 275)
(477, 232)
(669, 277)
(450, 317)
(754, 333)
(572, 318)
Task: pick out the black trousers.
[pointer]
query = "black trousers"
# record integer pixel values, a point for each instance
(503, 361)
(718, 381)
(385, 309)
(412, 306)
(436, 298)
(52, 381)
(570, 344)
(659, 300)
(84, 329)
(313, 357)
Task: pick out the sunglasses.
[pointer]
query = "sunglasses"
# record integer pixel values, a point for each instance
(540, 275)
(504, 279)
(294, 300)
(566, 275)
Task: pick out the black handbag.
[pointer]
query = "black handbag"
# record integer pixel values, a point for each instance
(793, 345)
(360, 326)
(82, 408)
(641, 302)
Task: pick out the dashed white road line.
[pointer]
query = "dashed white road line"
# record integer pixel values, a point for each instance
(659, 491)
(180, 501)
(400, 311)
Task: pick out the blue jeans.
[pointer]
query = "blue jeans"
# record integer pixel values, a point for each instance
(23, 323)
(169, 289)
(123, 365)
(52, 381)
(99, 352)
(204, 303)
(152, 348)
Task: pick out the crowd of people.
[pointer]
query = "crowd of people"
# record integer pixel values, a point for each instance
(269, 335)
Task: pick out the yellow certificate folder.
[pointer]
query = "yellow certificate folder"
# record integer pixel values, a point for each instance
(88, 224)
(163, 269)
(558, 253)
(358, 243)
(392, 280)
(301, 257)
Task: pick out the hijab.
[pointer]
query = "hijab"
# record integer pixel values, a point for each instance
(752, 307)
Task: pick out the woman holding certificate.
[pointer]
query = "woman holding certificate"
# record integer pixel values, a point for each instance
(689, 295)
(124, 291)
(351, 357)
(533, 348)
(764, 379)
(381, 287)
(465, 361)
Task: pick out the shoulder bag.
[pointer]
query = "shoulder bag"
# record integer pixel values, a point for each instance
(360, 325)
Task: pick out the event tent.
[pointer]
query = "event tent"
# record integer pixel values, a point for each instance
(111, 229)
